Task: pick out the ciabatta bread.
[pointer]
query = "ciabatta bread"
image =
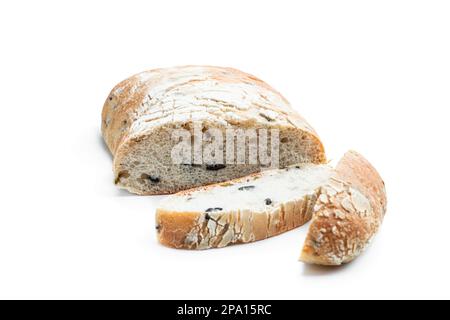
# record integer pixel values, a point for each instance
(348, 213)
(346, 204)
(140, 114)
(241, 211)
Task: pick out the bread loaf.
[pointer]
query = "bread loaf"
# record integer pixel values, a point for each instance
(142, 112)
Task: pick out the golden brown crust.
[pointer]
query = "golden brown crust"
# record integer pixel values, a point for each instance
(118, 110)
(348, 213)
(357, 171)
(173, 227)
(199, 230)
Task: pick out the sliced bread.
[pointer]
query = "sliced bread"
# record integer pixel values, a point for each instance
(241, 211)
(141, 113)
(348, 213)
(347, 205)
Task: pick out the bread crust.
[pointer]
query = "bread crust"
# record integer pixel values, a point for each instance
(347, 215)
(137, 107)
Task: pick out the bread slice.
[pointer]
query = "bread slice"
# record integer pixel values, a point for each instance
(346, 204)
(142, 112)
(348, 213)
(241, 211)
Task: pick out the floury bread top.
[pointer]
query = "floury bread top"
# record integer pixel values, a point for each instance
(195, 93)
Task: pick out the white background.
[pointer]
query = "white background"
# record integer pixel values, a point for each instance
(373, 76)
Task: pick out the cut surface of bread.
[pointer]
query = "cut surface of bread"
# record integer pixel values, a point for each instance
(348, 213)
(142, 112)
(241, 211)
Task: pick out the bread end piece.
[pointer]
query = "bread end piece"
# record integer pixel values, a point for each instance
(347, 215)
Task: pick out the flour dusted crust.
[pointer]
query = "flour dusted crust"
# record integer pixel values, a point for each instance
(143, 105)
(348, 213)
(223, 95)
